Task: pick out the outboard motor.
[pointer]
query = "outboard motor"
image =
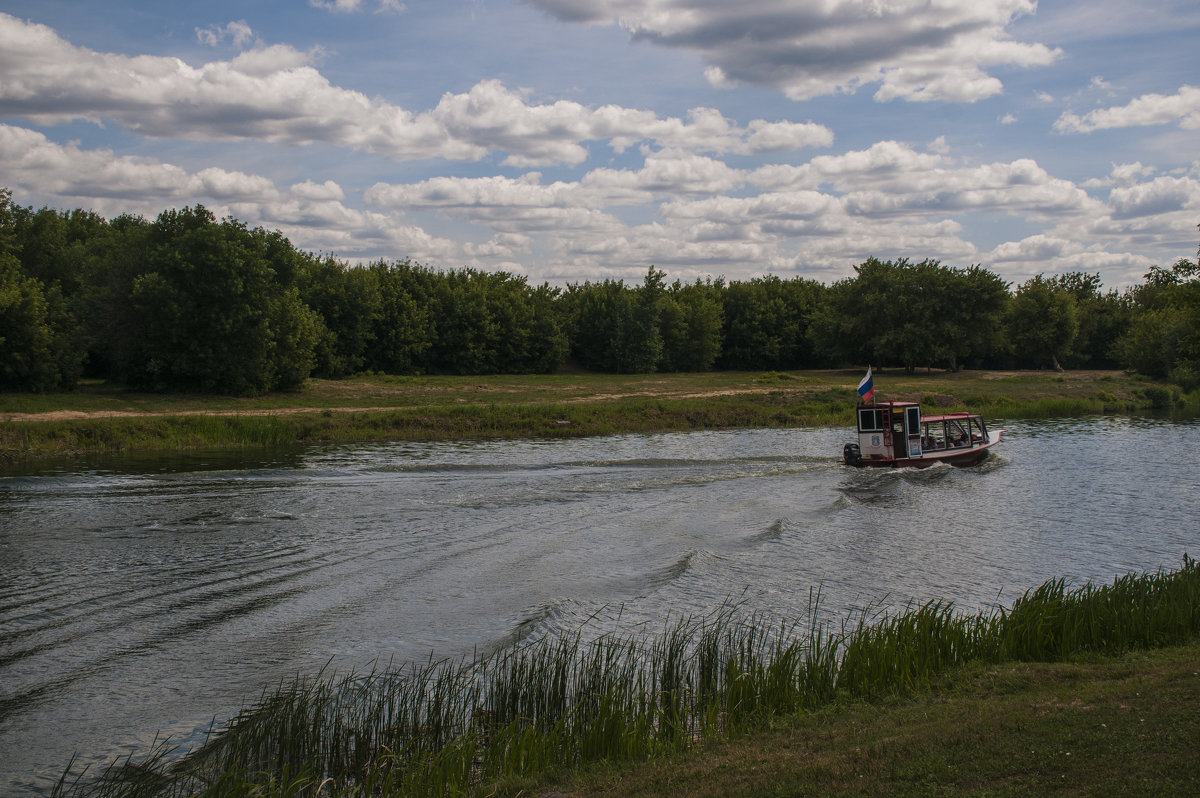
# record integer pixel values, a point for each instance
(852, 455)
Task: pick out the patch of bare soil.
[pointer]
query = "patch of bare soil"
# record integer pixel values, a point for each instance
(84, 415)
(658, 391)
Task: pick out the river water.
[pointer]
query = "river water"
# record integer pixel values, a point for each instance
(144, 597)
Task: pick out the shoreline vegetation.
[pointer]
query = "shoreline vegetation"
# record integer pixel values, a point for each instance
(1041, 695)
(100, 418)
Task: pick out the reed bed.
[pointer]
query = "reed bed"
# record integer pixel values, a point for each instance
(462, 727)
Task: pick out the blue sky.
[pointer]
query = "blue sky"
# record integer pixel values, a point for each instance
(573, 140)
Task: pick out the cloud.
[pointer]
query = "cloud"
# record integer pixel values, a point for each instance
(35, 163)
(1123, 174)
(1054, 254)
(237, 32)
(891, 178)
(275, 94)
(311, 214)
(354, 6)
(817, 219)
(664, 175)
(1149, 109)
(821, 217)
(915, 50)
(1160, 196)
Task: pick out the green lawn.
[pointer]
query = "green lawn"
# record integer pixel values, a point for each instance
(99, 417)
(1127, 725)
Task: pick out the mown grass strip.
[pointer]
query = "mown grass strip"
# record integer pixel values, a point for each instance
(29, 439)
(562, 405)
(559, 704)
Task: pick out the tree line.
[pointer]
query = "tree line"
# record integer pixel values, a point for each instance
(187, 302)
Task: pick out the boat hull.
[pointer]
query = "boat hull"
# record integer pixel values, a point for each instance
(964, 457)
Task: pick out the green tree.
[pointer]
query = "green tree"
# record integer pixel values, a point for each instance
(974, 302)
(403, 329)
(767, 323)
(349, 302)
(642, 347)
(1103, 318)
(599, 316)
(111, 322)
(209, 313)
(547, 345)
(615, 328)
(59, 248)
(1163, 337)
(482, 323)
(691, 319)
(40, 344)
(912, 314)
(1042, 322)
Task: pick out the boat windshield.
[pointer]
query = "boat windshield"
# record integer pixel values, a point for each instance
(956, 433)
(952, 433)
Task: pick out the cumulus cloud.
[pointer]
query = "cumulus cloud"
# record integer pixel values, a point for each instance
(1160, 196)
(914, 49)
(822, 216)
(892, 178)
(352, 6)
(1183, 108)
(1052, 253)
(313, 215)
(237, 32)
(1123, 174)
(664, 175)
(35, 163)
(275, 94)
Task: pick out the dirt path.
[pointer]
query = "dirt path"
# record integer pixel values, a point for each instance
(85, 415)
(82, 415)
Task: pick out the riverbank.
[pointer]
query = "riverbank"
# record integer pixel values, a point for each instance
(1113, 726)
(100, 418)
(1081, 691)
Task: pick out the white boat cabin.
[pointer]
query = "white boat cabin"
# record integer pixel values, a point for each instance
(898, 431)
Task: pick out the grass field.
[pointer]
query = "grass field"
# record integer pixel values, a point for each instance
(103, 418)
(1110, 726)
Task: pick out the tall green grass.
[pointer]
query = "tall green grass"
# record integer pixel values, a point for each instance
(443, 422)
(452, 728)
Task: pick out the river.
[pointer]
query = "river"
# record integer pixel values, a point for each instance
(150, 596)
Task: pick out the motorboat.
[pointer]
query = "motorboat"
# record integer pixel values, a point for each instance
(896, 434)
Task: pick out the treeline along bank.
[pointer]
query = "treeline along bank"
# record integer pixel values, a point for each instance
(190, 302)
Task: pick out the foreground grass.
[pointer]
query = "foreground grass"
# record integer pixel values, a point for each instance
(101, 418)
(1112, 726)
(836, 703)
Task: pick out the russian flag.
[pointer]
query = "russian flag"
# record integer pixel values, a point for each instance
(866, 388)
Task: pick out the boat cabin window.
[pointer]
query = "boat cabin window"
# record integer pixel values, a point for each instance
(933, 435)
(870, 420)
(914, 420)
(956, 433)
(978, 431)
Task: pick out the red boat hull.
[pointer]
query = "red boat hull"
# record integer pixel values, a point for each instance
(965, 457)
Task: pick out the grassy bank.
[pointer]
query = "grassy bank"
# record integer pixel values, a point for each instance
(1101, 726)
(103, 418)
(529, 717)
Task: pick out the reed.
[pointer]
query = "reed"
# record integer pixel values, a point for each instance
(456, 727)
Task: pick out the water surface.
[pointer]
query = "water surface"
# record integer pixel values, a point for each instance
(151, 595)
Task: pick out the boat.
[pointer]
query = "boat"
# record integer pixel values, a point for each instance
(896, 434)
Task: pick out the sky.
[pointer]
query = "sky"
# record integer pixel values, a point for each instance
(582, 140)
